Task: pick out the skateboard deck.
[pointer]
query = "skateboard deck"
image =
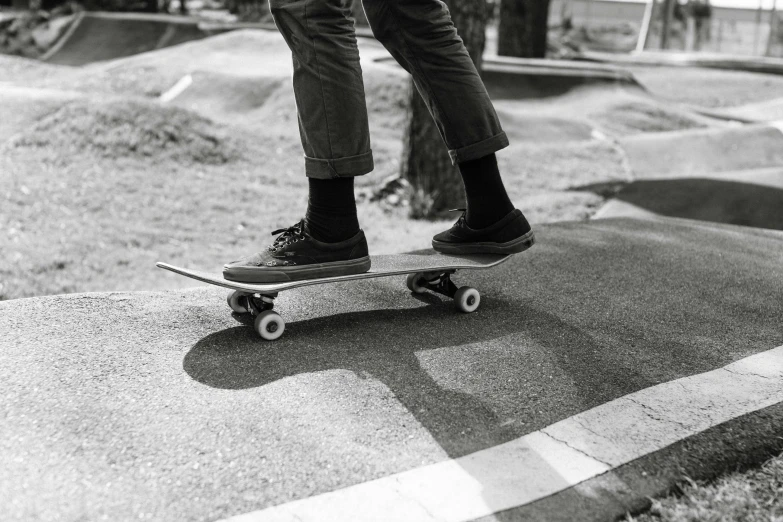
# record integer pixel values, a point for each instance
(426, 270)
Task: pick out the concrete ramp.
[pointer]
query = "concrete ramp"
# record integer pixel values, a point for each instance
(160, 406)
(96, 37)
(766, 111)
(725, 175)
(751, 198)
(696, 152)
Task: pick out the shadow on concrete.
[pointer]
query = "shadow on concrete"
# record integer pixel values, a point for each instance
(384, 344)
(713, 200)
(507, 83)
(599, 310)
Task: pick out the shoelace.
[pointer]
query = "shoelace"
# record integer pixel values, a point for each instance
(287, 235)
(461, 221)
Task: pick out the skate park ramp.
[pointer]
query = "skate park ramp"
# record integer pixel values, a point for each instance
(96, 37)
(231, 76)
(167, 404)
(765, 111)
(732, 175)
(752, 199)
(692, 152)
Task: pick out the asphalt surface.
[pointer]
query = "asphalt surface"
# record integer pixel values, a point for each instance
(160, 406)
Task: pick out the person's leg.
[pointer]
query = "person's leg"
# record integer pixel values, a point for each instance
(422, 38)
(331, 107)
(328, 86)
(420, 35)
(335, 135)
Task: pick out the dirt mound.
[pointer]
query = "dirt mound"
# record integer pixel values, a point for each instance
(642, 116)
(709, 88)
(703, 151)
(25, 71)
(130, 129)
(534, 128)
(771, 110)
(21, 107)
(222, 96)
(614, 110)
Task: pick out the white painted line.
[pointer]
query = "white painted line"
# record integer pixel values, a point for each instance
(178, 88)
(553, 459)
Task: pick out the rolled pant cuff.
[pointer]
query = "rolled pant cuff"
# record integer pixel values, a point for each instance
(340, 167)
(479, 149)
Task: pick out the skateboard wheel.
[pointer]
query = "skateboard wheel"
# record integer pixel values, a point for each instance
(237, 302)
(467, 299)
(269, 325)
(413, 282)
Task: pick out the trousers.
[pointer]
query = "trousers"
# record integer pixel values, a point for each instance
(329, 90)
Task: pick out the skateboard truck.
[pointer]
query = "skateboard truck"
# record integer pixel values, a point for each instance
(466, 299)
(268, 324)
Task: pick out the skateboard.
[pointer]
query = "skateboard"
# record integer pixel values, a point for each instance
(426, 270)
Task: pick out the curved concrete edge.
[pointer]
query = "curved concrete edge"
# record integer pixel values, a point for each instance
(749, 155)
(768, 112)
(680, 59)
(750, 198)
(556, 69)
(622, 438)
(614, 208)
(561, 67)
(726, 115)
(64, 37)
(173, 28)
(747, 440)
(361, 32)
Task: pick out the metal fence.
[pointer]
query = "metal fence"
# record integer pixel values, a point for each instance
(748, 31)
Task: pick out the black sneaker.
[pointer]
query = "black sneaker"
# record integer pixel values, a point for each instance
(510, 235)
(295, 256)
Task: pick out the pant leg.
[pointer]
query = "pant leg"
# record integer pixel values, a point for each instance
(327, 85)
(422, 38)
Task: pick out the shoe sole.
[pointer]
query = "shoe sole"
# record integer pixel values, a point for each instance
(286, 274)
(514, 246)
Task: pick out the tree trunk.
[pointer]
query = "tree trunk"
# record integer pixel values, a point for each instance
(668, 15)
(522, 28)
(150, 6)
(426, 164)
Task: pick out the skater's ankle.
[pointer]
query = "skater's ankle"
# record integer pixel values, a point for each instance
(487, 199)
(331, 210)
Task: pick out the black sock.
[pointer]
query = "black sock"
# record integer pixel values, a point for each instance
(331, 210)
(488, 201)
